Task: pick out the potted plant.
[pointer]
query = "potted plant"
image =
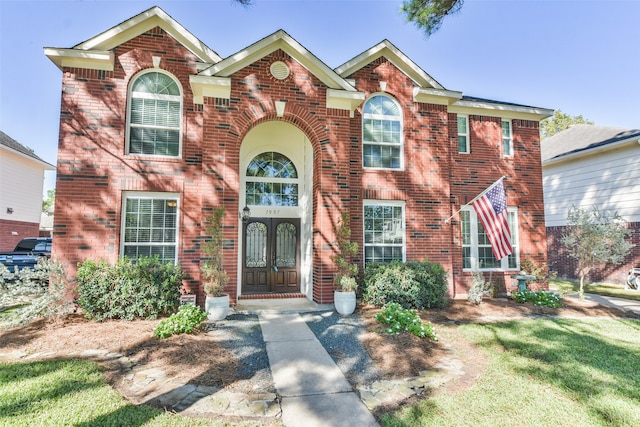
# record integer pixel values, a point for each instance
(344, 297)
(214, 277)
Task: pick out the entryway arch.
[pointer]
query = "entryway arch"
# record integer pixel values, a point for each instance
(276, 181)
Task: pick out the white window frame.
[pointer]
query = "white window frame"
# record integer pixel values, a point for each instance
(465, 135)
(399, 119)
(180, 98)
(507, 142)
(473, 244)
(402, 225)
(168, 197)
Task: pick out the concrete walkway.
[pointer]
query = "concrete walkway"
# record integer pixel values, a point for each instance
(621, 303)
(313, 390)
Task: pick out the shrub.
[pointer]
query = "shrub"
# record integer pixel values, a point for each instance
(479, 288)
(38, 293)
(542, 298)
(403, 320)
(143, 288)
(184, 321)
(412, 285)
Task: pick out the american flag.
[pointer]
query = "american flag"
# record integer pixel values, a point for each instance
(491, 208)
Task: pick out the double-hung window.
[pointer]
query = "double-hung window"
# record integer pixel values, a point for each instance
(384, 231)
(155, 115)
(150, 225)
(507, 139)
(476, 247)
(382, 133)
(463, 134)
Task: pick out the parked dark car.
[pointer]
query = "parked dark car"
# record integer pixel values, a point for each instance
(27, 253)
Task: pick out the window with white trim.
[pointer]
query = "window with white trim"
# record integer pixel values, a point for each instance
(382, 133)
(150, 225)
(463, 134)
(155, 115)
(476, 247)
(384, 231)
(507, 138)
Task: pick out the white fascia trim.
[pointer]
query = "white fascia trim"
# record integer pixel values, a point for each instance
(502, 110)
(393, 54)
(344, 100)
(46, 166)
(89, 59)
(590, 152)
(436, 96)
(139, 24)
(212, 87)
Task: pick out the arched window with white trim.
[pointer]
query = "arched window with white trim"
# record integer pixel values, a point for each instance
(155, 115)
(382, 133)
(272, 180)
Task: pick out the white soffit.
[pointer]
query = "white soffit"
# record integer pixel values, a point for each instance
(501, 110)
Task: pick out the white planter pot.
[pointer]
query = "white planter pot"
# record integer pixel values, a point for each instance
(217, 308)
(345, 302)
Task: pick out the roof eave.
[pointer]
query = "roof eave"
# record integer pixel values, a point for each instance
(567, 157)
(45, 165)
(505, 110)
(90, 59)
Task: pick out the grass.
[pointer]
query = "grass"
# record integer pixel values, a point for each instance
(72, 392)
(548, 372)
(568, 287)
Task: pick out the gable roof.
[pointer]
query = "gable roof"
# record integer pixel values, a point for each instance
(12, 145)
(96, 52)
(584, 139)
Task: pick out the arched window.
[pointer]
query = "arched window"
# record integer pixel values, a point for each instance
(382, 133)
(272, 180)
(155, 115)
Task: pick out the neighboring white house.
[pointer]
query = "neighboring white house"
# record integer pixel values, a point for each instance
(589, 165)
(21, 183)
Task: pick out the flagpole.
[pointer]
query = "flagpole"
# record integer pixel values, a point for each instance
(446, 221)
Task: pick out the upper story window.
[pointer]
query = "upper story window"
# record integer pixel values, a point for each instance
(271, 180)
(382, 133)
(507, 138)
(155, 115)
(463, 134)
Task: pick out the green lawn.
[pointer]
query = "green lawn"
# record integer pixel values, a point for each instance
(556, 372)
(73, 393)
(568, 287)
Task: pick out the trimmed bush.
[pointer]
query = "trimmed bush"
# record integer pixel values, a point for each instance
(184, 321)
(541, 298)
(144, 288)
(414, 284)
(404, 320)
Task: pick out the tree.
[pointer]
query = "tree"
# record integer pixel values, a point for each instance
(594, 238)
(49, 202)
(559, 122)
(427, 15)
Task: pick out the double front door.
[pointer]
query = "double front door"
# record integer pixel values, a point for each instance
(271, 255)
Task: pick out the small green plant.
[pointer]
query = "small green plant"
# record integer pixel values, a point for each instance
(479, 288)
(541, 298)
(214, 276)
(401, 319)
(345, 279)
(184, 321)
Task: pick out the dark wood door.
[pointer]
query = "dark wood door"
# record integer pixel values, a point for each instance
(271, 255)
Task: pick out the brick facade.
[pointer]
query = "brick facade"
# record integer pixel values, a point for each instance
(14, 231)
(94, 169)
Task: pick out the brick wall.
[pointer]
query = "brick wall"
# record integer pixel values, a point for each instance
(567, 267)
(11, 232)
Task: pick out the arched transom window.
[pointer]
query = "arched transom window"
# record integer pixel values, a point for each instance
(271, 180)
(155, 115)
(382, 133)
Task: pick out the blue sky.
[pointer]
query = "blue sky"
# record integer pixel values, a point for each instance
(582, 57)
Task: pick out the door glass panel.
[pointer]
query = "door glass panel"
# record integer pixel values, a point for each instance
(256, 251)
(286, 245)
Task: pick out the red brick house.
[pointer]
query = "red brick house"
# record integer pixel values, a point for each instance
(157, 130)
